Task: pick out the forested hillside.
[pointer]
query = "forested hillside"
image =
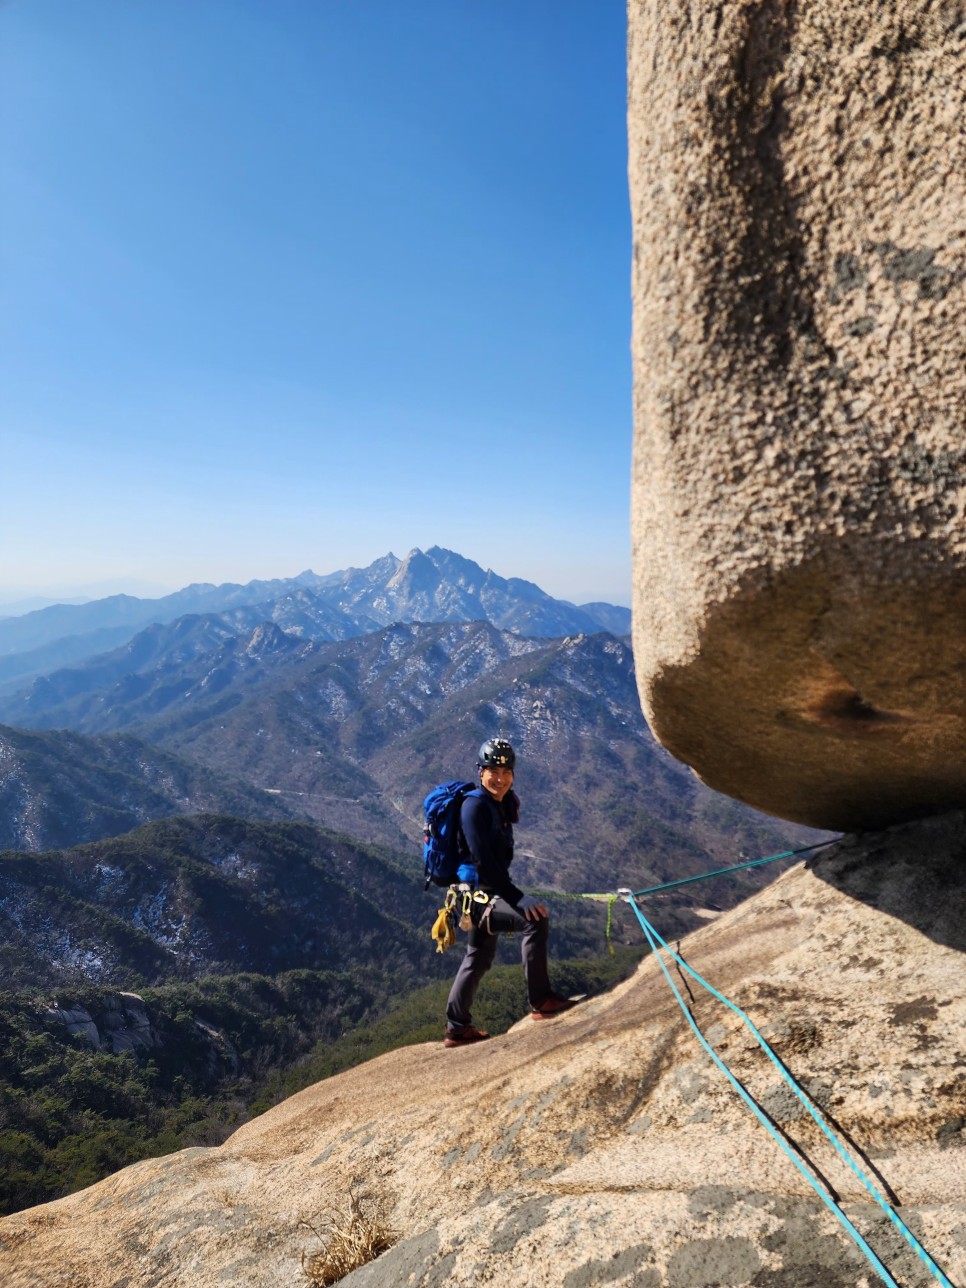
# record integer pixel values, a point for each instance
(157, 987)
(60, 788)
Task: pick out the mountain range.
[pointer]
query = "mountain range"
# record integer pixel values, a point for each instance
(436, 585)
(352, 734)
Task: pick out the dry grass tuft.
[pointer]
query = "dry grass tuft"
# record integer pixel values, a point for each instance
(350, 1239)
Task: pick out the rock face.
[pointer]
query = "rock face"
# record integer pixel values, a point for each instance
(798, 183)
(124, 1024)
(606, 1148)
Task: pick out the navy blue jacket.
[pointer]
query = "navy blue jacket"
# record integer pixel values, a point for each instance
(488, 828)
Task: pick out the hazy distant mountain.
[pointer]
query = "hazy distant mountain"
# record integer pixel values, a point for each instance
(17, 607)
(39, 642)
(180, 664)
(19, 669)
(609, 617)
(59, 788)
(435, 586)
(33, 630)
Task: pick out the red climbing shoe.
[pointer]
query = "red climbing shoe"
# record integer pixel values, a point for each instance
(553, 1005)
(463, 1037)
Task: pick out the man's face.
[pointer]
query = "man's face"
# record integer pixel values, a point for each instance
(496, 781)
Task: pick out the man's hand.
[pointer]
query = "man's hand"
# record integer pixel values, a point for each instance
(532, 908)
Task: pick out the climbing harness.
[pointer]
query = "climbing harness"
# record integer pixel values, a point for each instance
(821, 1188)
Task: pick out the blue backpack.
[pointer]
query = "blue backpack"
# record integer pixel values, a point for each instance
(444, 846)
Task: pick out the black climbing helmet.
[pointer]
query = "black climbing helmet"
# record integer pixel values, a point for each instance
(496, 753)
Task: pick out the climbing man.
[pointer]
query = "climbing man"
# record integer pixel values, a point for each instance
(487, 817)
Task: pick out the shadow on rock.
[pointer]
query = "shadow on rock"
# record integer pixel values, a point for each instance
(915, 872)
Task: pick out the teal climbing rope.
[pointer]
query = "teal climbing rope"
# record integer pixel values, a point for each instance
(611, 899)
(656, 942)
(737, 867)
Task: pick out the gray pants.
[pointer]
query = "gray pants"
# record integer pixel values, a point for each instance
(480, 951)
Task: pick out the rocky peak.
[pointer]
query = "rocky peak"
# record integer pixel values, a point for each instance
(267, 638)
(608, 1139)
(459, 570)
(416, 575)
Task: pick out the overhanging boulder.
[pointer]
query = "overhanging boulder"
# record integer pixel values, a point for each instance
(798, 182)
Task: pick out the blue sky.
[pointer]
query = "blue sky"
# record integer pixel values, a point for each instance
(287, 284)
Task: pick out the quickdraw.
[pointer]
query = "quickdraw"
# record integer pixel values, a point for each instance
(456, 911)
